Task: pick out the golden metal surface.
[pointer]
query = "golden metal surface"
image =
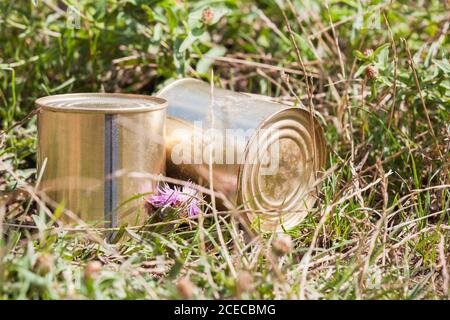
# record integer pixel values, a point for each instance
(72, 139)
(224, 174)
(142, 150)
(273, 201)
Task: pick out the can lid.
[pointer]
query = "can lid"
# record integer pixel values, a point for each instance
(279, 192)
(101, 103)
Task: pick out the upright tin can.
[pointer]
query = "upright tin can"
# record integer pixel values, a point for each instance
(94, 145)
(266, 157)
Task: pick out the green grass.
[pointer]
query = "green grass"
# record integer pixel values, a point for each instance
(380, 229)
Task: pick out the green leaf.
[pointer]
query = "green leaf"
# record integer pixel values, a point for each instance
(444, 65)
(190, 39)
(176, 268)
(205, 63)
(383, 57)
(384, 80)
(58, 212)
(358, 54)
(380, 48)
(39, 221)
(117, 236)
(360, 70)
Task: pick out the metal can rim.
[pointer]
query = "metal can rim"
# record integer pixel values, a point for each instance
(175, 83)
(158, 103)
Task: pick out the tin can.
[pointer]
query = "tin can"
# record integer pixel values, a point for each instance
(266, 157)
(88, 146)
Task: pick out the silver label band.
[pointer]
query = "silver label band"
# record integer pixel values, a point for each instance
(111, 156)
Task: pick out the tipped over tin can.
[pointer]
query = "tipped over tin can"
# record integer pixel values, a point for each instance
(265, 156)
(91, 149)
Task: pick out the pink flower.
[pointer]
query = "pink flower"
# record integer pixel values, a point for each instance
(186, 199)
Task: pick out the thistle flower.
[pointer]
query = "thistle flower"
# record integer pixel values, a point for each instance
(92, 269)
(176, 198)
(244, 283)
(207, 15)
(282, 245)
(186, 288)
(371, 72)
(368, 52)
(164, 197)
(44, 264)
